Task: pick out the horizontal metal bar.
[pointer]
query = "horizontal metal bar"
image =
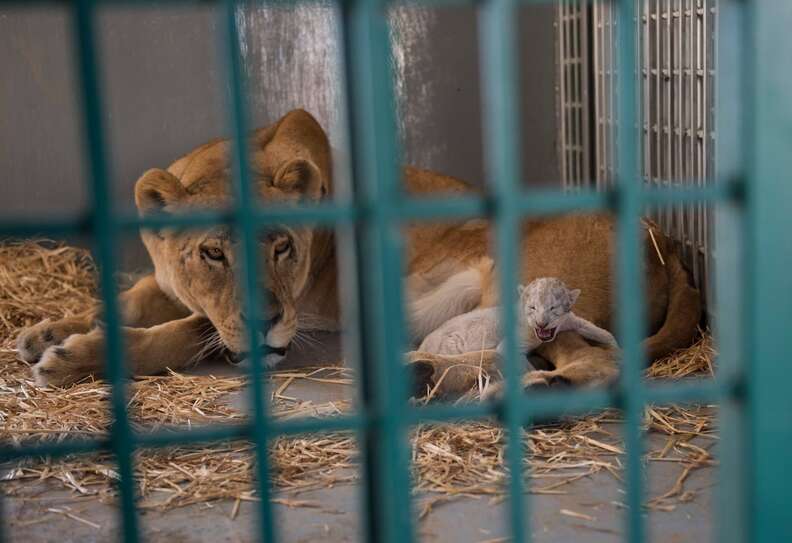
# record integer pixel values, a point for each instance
(555, 202)
(450, 412)
(195, 219)
(203, 434)
(314, 214)
(438, 208)
(55, 449)
(539, 404)
(696, 391)
(530, 203)
(60, 227)
(713, 192)
(428, 3)
(340, 423)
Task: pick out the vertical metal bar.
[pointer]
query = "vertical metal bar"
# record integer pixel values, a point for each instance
(578, 98)
(596, 66)
(377, 183)
(585, 103)
(105, 231)
(573, 79)
(667, 121)
(710, 34)
(691, 126)
(657, 61)
(646, 74)
(702, 136)
(679, 210)
(770, 258)
(564, 98)
(630, 292)
(246, 200)
(612, 95)
(731, 282)
(498, 39)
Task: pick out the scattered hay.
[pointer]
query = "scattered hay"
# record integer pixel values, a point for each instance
(46, 280)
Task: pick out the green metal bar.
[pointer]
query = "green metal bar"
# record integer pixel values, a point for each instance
(502, 143)
(533, 203)
(629, 265)
(55, 449)
(60, 227)
(277, 214)
(246, 201)
(716, 191)
(370, 105)
(732, 319)
(769, 261)
(164, 438)
(692, 391)
(104, 229)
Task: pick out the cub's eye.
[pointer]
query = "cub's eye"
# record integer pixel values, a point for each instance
(532, 308)
(282, 247)
(213, 253)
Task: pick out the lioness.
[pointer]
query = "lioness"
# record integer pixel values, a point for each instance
(191, 304)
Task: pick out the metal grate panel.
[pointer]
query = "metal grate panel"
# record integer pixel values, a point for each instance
(756, 325)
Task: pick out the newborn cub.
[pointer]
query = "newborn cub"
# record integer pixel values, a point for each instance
(545, 309)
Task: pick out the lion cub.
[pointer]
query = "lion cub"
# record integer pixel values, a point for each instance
(545, 309)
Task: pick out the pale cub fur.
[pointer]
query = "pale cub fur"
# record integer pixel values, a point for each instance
(545, 309)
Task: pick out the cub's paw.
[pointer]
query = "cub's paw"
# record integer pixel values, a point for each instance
(81, 355)
(33, 341)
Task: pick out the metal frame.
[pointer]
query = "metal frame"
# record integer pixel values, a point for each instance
(677, 51)
(572, 92)
(751, 190)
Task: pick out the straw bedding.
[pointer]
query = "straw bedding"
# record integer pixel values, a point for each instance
(47, 280)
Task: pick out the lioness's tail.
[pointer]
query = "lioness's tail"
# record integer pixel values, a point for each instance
(458, 294)
(682, 315)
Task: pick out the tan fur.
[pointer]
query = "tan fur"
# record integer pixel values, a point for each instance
(168, 313)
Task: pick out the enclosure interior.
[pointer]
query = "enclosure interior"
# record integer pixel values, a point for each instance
(165, 86)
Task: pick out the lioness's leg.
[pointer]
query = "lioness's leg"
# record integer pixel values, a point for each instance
(576, 363)
(34, 340)
(451, 374)
(174, 345)
(143, 305)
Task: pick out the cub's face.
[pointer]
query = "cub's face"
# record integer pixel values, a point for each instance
(544, 303)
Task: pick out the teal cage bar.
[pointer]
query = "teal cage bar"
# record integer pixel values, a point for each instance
(752, 191)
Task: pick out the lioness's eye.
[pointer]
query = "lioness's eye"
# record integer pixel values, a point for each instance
(213, 253)
(282, 247)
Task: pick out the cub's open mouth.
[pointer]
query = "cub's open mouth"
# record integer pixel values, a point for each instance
(545, 334)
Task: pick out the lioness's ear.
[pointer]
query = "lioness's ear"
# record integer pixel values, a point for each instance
(300, 176)
(573, 295)
(157, 189)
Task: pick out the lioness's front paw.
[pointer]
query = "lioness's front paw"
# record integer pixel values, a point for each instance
(81, 355)
(33, 341)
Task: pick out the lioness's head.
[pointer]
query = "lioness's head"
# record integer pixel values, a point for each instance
(202, 267)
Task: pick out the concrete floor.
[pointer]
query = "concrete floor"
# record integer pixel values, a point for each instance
(338, 519)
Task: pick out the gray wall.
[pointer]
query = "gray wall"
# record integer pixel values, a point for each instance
(164, 86)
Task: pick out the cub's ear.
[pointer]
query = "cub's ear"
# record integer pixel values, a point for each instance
(573, 295)
(156, 190)
(300, 176)
(520, 289)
